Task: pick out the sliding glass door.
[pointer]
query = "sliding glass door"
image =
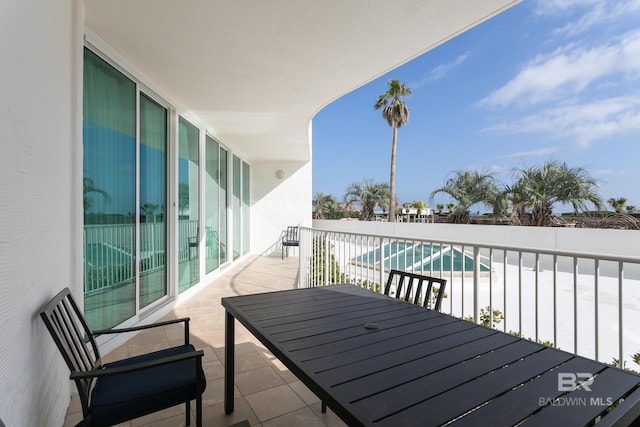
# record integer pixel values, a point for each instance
(124, 195)
(126, 140)
(246, 203)
(109, 193)
(153, 195)
(224, 204)
(237, 207)
(189, 233)
(212, 201)
(241, 202)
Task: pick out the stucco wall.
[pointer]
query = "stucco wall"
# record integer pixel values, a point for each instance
(39, 51)
(277, 203)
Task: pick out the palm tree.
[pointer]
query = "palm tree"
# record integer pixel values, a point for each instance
(540, 187)
(368, 195)
(149, 211)
(519, 199)
(183, 197)
(89, 187)
(396, 113)
(419, 205)
(617, 204)
(325, 206)
(405, 209)
(468, 188)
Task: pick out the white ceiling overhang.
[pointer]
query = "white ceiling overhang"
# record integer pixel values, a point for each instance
(255, 72)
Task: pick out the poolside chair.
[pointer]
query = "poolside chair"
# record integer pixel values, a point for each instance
(290, 239)
(194, 242)
(410, 287)
(115, 392)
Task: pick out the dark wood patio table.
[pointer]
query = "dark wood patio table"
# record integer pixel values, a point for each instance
(378, 361)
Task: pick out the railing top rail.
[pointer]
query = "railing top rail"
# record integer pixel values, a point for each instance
(546, 251)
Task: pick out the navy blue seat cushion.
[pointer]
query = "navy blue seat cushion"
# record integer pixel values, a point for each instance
(290, 243)
(118, 398)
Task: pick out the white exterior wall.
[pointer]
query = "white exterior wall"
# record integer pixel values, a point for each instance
(40, 217)
(40, 200)
(277, 203)
(587, 240)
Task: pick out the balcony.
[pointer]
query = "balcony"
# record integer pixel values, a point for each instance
(576, 290)
(580, 301)
(266, 392)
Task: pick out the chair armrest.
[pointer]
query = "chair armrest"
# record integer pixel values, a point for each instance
(184, 320)
(197, 354)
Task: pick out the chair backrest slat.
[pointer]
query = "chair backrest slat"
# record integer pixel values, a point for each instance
(410, 287)
(292, 233)
(72, 335)
(83, 359)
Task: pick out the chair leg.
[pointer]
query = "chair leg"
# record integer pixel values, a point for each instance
(324, 407)
(199, 410)
(188, 412)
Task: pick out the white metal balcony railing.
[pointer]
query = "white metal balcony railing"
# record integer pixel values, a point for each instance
(588, 304)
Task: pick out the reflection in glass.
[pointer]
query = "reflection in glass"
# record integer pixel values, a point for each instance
(109, 199)
(246, 202)
(212, 191)
(237, 187)
(153, 190)
(224, 204)
(189, 234)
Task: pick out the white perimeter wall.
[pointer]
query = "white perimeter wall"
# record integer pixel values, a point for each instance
(40, 48)
(278, 203)
(624, 243)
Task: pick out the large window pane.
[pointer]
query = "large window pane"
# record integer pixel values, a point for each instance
(246, 202)
(212, 204)
(237, 188)
(224, 203)
(153, 190)
(109, 199)
(188, 190)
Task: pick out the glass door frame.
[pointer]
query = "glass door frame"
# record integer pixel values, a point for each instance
(169, 217)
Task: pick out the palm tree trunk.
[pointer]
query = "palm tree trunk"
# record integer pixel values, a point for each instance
(392, 177)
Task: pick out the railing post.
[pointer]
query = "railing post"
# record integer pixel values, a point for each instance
(327, 259)
(620, 315)
(380, 247)
(302, 256)
(476, 282)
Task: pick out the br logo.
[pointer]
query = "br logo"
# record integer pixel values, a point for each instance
(568, 381)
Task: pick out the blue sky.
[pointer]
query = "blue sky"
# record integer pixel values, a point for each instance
(545, 80)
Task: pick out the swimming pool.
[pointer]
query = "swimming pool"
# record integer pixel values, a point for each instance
(419, 257)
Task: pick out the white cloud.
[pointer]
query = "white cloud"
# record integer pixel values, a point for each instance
(532, 153)
(605, 172)
(556, 7)
(567, 70)
(585, 123)
(602, 13)
(441, 71)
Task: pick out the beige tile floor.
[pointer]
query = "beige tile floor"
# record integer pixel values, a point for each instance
(266, 393)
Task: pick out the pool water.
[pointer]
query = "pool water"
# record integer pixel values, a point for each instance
(419, 257)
